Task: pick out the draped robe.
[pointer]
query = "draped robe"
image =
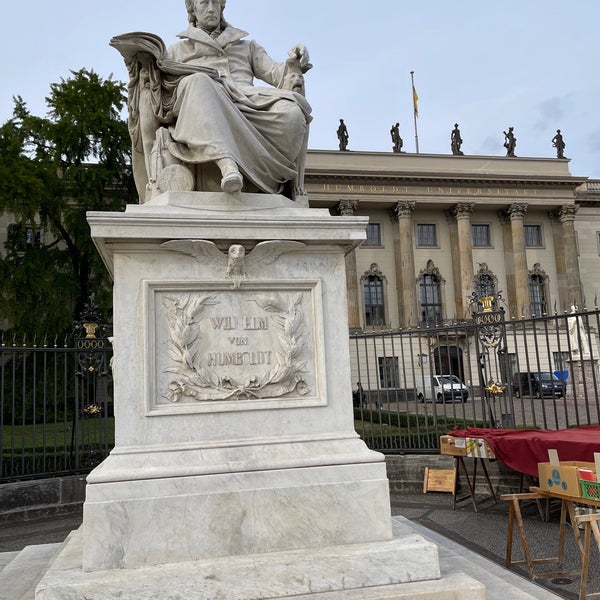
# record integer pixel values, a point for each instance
(263, 129)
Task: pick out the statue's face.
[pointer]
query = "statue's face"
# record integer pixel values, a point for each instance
(208, 13)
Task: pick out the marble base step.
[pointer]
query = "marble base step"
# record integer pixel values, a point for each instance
(6, 558)
(20, 576)
(405, 568)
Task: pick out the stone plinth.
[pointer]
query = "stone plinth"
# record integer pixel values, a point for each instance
(234, 426)
(585, 375)
(405, 568)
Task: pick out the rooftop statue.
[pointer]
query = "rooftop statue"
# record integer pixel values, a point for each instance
(397, 141)
(343, 137)
(456, 141)
(198, 121)
(559, 143)
(510, 142)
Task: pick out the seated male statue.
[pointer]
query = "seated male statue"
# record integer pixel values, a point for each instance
(197, 120)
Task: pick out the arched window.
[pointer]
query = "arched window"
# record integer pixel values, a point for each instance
(373, 296)
(430, 295)
(537, 291)
(486, 286)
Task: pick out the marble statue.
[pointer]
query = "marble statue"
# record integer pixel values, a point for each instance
(456, 141)
(198, 121)
(578, 336)
(510, 142)
(559, 143)
(396, 139)
(343, 137)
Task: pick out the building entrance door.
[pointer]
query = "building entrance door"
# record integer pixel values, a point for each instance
(449, 361)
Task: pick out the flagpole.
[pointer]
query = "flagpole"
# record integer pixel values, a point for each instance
(416, 110)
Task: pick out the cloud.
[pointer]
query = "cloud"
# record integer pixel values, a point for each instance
(594, 141)
(490, 146)
(551, 112)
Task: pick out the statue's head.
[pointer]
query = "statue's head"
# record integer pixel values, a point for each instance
(200, 10)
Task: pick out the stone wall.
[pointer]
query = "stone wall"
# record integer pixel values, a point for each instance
(405, 473)
(41, 497)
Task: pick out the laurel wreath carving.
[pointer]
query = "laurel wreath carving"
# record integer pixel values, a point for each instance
(202, 383)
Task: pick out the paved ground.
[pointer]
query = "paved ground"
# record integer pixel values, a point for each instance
(483, 532)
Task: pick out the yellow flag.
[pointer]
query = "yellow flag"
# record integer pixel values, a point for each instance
(415, 101)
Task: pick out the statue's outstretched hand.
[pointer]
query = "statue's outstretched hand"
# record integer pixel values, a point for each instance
(300, 53)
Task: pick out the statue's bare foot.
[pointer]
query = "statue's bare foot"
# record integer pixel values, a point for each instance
(232, 180)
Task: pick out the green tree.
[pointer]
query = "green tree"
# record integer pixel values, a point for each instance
(53, 170)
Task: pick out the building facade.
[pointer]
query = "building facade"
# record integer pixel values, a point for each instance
(443, 228)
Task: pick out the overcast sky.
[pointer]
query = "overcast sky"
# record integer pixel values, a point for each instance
(530, 64)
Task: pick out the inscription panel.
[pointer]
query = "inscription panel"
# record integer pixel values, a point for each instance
(213, 349)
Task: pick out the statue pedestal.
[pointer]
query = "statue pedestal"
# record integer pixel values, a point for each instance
(235, 446)
(584, 373)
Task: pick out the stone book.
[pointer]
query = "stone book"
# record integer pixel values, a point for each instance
(130, 45)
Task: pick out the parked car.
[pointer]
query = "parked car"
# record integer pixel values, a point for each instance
(442, 388)
(538, 384)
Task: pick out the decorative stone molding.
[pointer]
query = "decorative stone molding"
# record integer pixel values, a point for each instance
(539, 272)
(235, 262)
(347, 208)
(517, 211)
(283, 366)
(403, 209)
(432, 270)
(463, 210)
(373, 271)
(567, 213)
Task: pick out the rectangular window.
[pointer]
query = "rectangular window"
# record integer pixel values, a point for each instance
(373, 235)
(561, 360)
(480, 236)
(388, 372)
(508, 366)
(431, 300)
(427, 235)
(533, 236)
(373, 298)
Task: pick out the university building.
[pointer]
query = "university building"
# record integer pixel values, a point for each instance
(445, 231)
(443, 226)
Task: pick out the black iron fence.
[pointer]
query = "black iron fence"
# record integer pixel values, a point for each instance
(56, 402)
(56, 408)
(487, 372)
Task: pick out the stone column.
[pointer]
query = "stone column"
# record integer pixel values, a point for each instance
(567, 220)
(463, 212)
(516, 213)
(348, 208)
(405, 263)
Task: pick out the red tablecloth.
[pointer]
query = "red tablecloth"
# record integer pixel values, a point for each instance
(523, 449)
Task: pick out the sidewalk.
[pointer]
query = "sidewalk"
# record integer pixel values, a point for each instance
(484, 533)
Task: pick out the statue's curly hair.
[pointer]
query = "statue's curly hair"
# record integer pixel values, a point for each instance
(189, 4)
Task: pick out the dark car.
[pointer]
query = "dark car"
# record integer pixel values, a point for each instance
(538, 384)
